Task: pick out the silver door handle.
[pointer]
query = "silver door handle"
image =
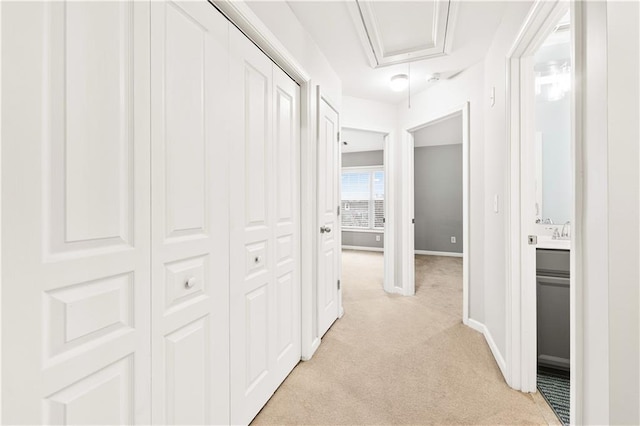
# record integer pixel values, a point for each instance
(324, 229)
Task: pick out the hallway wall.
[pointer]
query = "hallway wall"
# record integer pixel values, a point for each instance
(623, 110)
(496, 171)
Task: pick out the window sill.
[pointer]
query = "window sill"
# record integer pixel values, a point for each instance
(371, 231)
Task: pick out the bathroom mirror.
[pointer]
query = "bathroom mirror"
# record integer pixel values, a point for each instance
(552, 67)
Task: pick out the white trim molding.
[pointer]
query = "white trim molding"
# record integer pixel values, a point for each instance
(438, 253)
(481, 328)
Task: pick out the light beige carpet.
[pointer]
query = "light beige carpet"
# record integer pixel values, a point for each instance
(401, 360)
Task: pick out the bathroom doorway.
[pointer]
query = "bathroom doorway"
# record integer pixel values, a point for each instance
(542, 299)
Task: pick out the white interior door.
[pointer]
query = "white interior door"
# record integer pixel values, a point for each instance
(75, 230)
(264, 191)
(190, 231)
(329, 228)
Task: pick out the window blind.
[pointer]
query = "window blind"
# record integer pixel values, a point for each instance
(362, 199)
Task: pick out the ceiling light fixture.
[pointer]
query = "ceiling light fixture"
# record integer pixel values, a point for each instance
(399, 82)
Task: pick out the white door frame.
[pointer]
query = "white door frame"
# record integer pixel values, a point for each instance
(241, 15)
(389, 229)
(520, 321)
(408, 207)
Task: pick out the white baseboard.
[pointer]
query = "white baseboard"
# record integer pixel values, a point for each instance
(481, 328)
(496, 353)
(379, 249)
(438, 253)
(314, 347)
(477, 326)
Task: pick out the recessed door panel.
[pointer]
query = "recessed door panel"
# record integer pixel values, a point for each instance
(184, 116)
(285, 309)
(97, 135)
(285, 137)
(188, 381)
(257, 145)
(101, 398)
(88, 125)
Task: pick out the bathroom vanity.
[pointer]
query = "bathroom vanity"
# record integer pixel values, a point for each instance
(553, 317)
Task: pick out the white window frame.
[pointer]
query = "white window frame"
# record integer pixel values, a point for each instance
(370, 169)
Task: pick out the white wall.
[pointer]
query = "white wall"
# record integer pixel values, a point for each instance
(438, 100)
(623, 49)
(281, 21)
(496, 172)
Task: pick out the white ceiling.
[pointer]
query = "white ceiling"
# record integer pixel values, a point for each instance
(361, 140)
(332, 27)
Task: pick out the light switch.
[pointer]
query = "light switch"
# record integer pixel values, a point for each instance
(495, 203)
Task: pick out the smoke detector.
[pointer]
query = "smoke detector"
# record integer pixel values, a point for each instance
(433, 77)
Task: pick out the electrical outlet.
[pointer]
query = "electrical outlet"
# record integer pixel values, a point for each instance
(377, 237)
(453, 240)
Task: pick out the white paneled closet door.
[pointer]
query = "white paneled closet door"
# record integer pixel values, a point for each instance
(265, 284)
(75, 231)
(190, 214)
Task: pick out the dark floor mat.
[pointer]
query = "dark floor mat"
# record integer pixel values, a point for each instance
(554, 387)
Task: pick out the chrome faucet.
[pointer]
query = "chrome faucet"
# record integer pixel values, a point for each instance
(566, 230)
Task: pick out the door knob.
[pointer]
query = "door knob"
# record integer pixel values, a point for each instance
(190, 282)
(324, 229)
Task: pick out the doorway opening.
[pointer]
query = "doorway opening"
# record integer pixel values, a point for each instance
(438, 210)
(542, 345)
(437, 188)
(363, 208)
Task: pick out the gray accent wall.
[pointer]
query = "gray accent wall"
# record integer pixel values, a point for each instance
(362, 239)
(365, 158)
(438, 198)
(361, 159)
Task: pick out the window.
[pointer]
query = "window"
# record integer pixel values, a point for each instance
(362, 198)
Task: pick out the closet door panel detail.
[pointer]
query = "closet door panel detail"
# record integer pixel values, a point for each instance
(189, 214)
(265, 298)
(286, 106)
(251, 246)
(76, 187)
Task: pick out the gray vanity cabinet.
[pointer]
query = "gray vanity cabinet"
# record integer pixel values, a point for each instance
(553, 318)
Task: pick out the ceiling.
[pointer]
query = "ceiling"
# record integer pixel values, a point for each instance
(443, 132)
(361, 140)
(404, 30)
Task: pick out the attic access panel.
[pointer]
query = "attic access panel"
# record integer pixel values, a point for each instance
(394, 32)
